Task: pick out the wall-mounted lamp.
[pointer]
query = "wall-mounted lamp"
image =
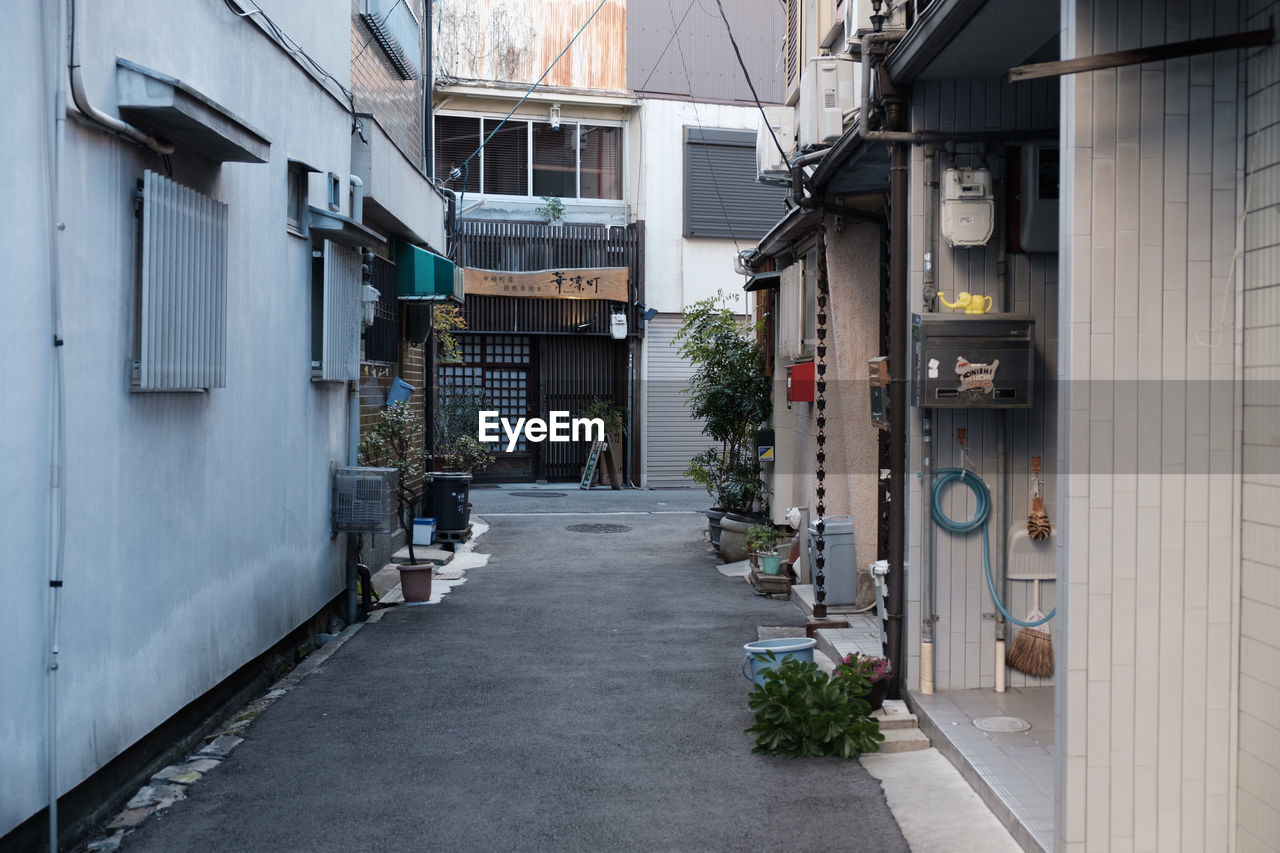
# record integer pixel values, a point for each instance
(555, 116)
(649, 314)
(582, 327)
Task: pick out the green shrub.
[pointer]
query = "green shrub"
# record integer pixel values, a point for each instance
(801, 711)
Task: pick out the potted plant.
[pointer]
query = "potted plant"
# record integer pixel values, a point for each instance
(707, 470)
(877, 671)
(615, 419)
(395, 441)
(762, 541)
(551, 210)
(730, 393)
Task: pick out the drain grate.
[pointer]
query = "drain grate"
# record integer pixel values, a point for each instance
(597, 528)
(1001, 724)
(538, 494)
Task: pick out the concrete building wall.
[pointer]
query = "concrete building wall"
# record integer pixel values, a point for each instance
(1149, 622)
(197, 524)
(1258, 812)
(396, 103)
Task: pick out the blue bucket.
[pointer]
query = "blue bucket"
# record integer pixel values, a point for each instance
(800, 648)
(400, 392)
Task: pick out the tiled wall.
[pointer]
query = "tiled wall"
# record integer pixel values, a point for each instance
(1258, 818)
(964, 635)
(1150, 434)
(395, 103)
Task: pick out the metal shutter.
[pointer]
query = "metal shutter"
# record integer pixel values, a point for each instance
(671, 436)
(721, 195)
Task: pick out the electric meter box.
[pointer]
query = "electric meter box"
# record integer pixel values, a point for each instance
(968, 207)
(973, 362)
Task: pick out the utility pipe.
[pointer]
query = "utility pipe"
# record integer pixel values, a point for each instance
(56, 506)
(357, 198)
(898, 370)
(78, 95)
(921, 137)
(927, 558)
(1003, 474)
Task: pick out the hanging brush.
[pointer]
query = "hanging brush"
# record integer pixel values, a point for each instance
(1032, 650)
(1038, 520)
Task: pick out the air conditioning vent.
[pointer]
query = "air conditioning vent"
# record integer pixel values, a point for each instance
(826, 96)
(771, 167)
(364, 499)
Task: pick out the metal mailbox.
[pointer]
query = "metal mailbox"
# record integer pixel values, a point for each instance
(973, 362)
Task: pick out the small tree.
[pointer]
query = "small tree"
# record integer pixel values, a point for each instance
(396, 442)
(730, 392)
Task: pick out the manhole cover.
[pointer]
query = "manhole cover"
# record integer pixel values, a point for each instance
(538, 494)
(1001, 724)
(598, 528)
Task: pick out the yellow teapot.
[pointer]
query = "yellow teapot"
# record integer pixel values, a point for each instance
(972, 303)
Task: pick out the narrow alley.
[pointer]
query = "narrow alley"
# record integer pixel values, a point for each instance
(582, 691)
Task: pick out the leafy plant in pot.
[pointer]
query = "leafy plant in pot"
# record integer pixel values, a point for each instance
(615, 419)
(762, 541)
(730, 393)
(877, 671)
(395, 441)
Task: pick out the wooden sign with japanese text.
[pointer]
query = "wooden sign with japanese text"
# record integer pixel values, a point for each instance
(597, 283)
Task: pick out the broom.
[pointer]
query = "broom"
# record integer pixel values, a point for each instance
(1032, 650)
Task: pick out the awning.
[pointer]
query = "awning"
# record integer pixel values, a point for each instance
(170, 109)
(763, 281)
(340, 229)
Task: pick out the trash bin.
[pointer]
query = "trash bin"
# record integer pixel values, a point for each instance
(447, 495)
(840, 569)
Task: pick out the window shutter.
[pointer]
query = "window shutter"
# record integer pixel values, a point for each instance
(722, 196)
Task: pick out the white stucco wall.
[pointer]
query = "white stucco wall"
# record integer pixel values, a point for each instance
(679, 271)
(197, 524)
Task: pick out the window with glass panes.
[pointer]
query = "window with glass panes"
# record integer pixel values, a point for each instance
(529, 158)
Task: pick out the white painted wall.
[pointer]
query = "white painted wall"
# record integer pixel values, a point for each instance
(197, 529)
(679, 271)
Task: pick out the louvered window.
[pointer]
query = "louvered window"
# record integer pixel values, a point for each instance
(180, 340)
(335, 315)
(721, 195)
(792, 50)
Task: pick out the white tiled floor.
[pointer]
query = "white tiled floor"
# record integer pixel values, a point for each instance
(1012, 771)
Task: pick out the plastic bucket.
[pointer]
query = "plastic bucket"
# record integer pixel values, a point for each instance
(800, 648)
(400, 392)
(424, 531)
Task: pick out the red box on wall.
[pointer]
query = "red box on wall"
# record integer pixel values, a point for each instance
(800, 382)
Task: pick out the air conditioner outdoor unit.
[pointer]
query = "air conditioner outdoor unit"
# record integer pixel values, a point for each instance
(364, 500)
(857, 18)
(826, 94)
(771, 168)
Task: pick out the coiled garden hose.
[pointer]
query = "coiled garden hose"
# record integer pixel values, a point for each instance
(942, 478)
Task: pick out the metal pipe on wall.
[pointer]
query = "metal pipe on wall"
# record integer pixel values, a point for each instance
(927, 557)
(898, 370)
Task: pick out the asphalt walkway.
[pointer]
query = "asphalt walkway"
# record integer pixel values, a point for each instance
(581, 692)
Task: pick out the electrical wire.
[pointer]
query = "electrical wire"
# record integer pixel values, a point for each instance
(295, 49)
(750, 85)
(715, 184)
(458, 169)
(674, 32)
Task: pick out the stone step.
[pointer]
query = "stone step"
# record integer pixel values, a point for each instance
(889, 722)
(904, 740)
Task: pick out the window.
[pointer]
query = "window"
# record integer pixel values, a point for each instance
(721, 195)
(296, 203)
(530, 158)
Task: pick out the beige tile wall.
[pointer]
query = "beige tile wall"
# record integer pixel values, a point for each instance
(1150, 495)
(1258, 817)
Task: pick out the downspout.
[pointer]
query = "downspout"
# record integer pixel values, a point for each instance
(56, 506)
(78, 95)
(353, 426)
(1003, 474)
(928, 559)
(898, 369)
